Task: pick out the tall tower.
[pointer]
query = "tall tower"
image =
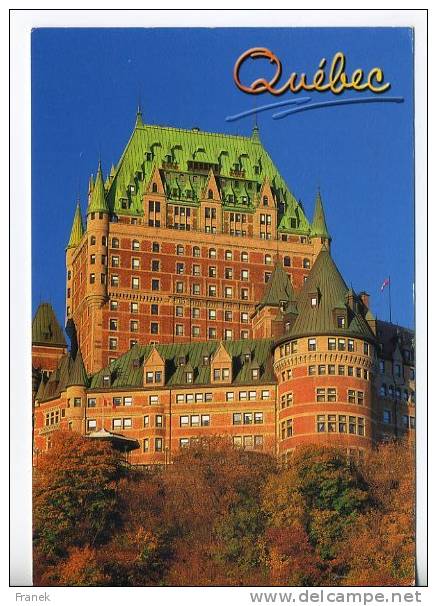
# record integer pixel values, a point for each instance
(96, 274)
(319, 230)
(324, 366)
(76, 235)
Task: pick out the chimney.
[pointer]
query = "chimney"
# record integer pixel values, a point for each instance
(365, 299)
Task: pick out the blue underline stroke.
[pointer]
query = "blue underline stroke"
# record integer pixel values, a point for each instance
(264, 108)
(295, 110)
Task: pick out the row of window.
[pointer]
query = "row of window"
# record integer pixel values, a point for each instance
(228, 315)
(229, 255)
(180, 398)
(396, 393)
(180, 287)
(341, 424)
(334, 344)
(408, 422)
(179, 330)
(340, 370)
(398, 370)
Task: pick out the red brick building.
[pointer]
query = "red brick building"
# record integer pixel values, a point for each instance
(242, 327)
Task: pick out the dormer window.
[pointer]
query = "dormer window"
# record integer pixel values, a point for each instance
(189, 377)
(341, 321)
(265, 201)
(205, 360)
(255, 373)
(181, 361)
(313, 301)
(106, 380)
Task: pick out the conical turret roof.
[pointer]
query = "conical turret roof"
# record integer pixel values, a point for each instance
(46, 329)
(76, 229)
(326, 283)
(278, 289)
(97, 198)
(78, 375)
(318, 226)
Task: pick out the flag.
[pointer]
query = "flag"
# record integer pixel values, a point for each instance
(385, 283)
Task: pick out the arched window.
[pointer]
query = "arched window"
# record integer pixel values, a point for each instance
(209, 194)
(212, 253)
(196, 251)
(154, 187)
(115, 243)
(287, 262)
(265, 201)
(92, 240)
(306, 263)
(135, 245)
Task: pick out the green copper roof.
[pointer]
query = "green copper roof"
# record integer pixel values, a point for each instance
(97, 201)
(240, 164)
(319, 227)
(76, 229)
(45, 327)
(278, 289)
(127, 371)
(326, 283)
(77, 375)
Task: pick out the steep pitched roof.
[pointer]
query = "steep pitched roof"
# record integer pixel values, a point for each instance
(77, 375)
(127, 371)
(326, 282)
(318, 226)
(46, 329)
(175, 150)
(97, 201)
(76, 229)
(278, 289)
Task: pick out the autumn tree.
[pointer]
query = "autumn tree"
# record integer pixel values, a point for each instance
(379, 548)
(309, 507)
(75, 494)
(212, 504)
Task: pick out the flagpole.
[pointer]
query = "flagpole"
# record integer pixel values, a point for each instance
(389, 296)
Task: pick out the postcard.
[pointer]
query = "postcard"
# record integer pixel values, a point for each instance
(223, 330)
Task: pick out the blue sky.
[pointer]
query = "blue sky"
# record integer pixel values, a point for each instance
(86, 84)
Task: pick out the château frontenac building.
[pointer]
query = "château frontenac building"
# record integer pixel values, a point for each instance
(201, 301)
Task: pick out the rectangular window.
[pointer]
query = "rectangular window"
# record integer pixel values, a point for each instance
(229, 396)
(116, 424)
(91, 402)
(92, 424)
(158, 444)
(321, 423)
(342, 427)
(135, 283)
(352, 425)
(320, 394)
(247, 418)
(332, 344)
(350, 345)
(332, 394)
(155, 284)
(265, 394)
(205, 420)
(127, 423)
(341, 344)
(146, 421)
(258, 418)
(146, 445)
(311, 345)
(158, 421)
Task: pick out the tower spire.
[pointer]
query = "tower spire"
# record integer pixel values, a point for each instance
(318, 226)
(76, 229)
(139, 119)
(97, 201)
